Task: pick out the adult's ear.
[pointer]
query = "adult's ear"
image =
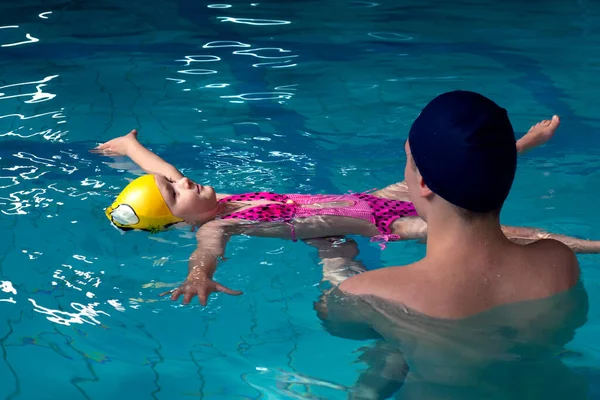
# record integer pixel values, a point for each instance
(424, 190)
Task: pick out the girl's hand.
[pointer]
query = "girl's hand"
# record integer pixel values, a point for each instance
(201, 287)
(118, 146)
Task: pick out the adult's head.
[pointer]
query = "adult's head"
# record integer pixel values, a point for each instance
(461, 152)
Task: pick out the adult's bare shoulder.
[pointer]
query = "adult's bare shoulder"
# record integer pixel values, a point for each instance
(390, 283)
(555, 255)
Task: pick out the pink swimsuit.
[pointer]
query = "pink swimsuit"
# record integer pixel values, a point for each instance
(376, 210)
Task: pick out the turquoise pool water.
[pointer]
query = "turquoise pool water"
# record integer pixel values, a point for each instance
(300, 96)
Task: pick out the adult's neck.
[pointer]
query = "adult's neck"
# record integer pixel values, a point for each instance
(450, 237)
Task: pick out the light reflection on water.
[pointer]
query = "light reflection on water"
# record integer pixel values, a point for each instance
(28, 36)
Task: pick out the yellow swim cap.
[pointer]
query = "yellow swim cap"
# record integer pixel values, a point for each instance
(141, 206)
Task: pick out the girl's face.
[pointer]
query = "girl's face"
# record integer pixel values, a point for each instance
(187, 199)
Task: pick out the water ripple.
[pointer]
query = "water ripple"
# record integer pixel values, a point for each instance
(36, 97)
(80, 278)
(54, 114)
(280, 61)
(424, 78)
(287, 87)
(30, 39)
(254, 52)
(200, 58)
(13, 180)
(176, 80)
(258, 96)
(365, 4)
(116, 304)
(47, 134)
(197, 71)
(84, 314)
(33, 158)
(7, 287)
(217, 85)
(26, 166)
(276, 64)
(391, 36)
(254, 21)
(234, 166)
(224, 43)
(33, 255)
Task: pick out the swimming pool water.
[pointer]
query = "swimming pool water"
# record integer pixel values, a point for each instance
(299, 96)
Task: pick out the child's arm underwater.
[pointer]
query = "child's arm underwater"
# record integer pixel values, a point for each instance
(338, 257)
(129, 146)
(212, 238)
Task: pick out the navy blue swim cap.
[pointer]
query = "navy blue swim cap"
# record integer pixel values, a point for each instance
(465, 149)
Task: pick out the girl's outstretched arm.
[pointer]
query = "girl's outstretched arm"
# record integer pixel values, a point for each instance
(212, 239)
(415, 228)
(129, 146)
(524, 236)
